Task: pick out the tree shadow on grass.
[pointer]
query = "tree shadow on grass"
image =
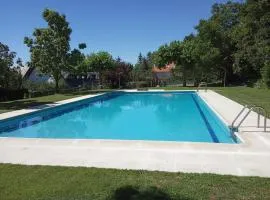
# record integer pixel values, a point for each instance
(21, 104)
(150, 193)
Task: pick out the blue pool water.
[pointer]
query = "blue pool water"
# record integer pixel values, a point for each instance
(163, 116)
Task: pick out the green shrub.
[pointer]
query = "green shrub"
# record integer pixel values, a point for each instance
(260, 84)
(266, 74)
(38, 86)
(12, 94)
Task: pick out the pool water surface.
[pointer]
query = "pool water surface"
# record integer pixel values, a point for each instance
(157, 116)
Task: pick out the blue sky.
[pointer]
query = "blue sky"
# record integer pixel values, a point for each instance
(122, 27)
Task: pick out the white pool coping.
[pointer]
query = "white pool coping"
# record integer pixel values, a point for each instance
(250, 158)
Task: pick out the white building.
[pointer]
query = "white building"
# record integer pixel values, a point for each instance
(34, 75)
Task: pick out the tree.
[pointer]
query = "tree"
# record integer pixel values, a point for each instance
(100, 62)
(217, 31)
(149, 58)
(140, 62)
(119, 74)
(76, 59)
(82, 46)
(189, 56)
(145, 65)
(266, 74)
(6, 61)
(140, 58)
(49, 46)
(17, 78)
(252, 40)
(10, 76)
(232, 45)
(207, 65)
(171, 53)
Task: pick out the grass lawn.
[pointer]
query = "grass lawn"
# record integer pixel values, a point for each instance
(244, 95)
(66, 183)
(26, 103)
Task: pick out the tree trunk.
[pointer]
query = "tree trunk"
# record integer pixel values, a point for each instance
(184, 78)
(56, 79)
(100, 80)
(224, 78)
(56, 85)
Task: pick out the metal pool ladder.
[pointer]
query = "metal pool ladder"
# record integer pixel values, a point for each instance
(202, 84)
(260, 111)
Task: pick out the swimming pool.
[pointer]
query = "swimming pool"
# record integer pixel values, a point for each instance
(157, 116)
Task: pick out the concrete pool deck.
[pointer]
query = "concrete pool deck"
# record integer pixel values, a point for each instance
(250, 158)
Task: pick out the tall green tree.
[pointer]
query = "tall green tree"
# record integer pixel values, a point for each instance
(232, 45)
(140, 62)
(6, 61)
(252, 40)
(140, 58)
(172, 53)
(189, 56)
(76, 59)
(217, 31)
(49, 46)
(98, 62)
(10, 76)
(266, 74)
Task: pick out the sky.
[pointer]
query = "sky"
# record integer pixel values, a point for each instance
(122, 27)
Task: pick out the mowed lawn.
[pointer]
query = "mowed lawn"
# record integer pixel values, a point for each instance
(26, 103)
(30, 102)
(69, 183)
(245, 95)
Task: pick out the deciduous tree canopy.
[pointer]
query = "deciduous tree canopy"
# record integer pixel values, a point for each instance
(233, 44)
(49, 46)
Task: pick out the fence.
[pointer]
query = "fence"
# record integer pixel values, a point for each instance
(141, 79)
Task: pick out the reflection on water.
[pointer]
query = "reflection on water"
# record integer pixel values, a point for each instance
(167, 95)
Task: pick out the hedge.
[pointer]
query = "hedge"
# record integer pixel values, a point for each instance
(12, 94)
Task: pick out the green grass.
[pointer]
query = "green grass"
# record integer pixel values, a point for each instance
(66, 183)
(26, 103)
(245, 95)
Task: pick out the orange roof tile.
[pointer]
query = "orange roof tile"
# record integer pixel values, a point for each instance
(167, 68)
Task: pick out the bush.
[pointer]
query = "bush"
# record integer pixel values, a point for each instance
(266, 74)
(12, 94)
(260, 84)
(43, 88)
(39, 86)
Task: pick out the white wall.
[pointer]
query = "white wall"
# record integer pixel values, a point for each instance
(38, 77)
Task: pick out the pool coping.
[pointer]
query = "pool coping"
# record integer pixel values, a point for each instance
(60, 151)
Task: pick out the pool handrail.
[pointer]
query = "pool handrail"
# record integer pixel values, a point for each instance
(260, 111)
(202, 84)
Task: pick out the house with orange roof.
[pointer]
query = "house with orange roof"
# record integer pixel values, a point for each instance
(163, 73)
